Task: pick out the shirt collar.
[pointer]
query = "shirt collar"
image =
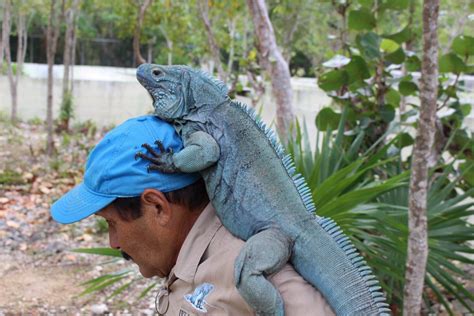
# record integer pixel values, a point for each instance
(195, 244)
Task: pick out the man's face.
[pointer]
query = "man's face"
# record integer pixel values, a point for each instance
(149, 245)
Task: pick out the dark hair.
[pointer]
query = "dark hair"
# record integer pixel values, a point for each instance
(193, 197)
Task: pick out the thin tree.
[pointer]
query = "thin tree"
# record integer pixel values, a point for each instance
(14, 78)
(142, 7)
(203, 8)
(66, 105)
(5, 29)
(418, 192)
(273, 62)
(52, 34)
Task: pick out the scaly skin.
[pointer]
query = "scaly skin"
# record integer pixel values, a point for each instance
(257, 196)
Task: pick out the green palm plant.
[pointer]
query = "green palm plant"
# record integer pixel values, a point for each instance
(119, 280)
(366, 193)
(449, 235)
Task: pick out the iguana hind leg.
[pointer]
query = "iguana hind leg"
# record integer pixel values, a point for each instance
(263, 254)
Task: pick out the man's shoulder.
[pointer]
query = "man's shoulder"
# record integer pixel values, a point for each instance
(299, 296)
(216, 268)
(224, 242)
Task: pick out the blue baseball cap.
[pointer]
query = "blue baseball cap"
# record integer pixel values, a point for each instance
(112, 170)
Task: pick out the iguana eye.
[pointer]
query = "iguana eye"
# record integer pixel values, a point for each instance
(156, 72)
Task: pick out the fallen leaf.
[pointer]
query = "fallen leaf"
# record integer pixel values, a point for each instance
(13, 224)
(44, 189)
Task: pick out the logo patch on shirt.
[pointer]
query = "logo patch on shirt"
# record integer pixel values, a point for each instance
(197, 298)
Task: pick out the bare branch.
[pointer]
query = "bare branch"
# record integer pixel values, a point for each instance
(203, 8)
(138, 27)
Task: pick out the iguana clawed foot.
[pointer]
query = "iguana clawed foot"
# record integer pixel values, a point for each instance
(161, 161)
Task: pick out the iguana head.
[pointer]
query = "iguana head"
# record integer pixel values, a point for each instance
(178, 91)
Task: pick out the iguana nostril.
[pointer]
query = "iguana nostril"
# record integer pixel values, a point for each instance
(156, 72)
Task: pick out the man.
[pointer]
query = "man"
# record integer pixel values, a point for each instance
(166, 225)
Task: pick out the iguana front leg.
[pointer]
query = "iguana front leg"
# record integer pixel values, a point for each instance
(200, 151)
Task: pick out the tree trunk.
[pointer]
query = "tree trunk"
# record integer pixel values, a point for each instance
(73, 57)
(14, 78)
(66, 105)
(151, 43)
(203, 8)
(273, 62)
(51, 40)
(418, 238)
(5, 29)
(138, 27)
(231, 27)
(169, 45)
(293, 22)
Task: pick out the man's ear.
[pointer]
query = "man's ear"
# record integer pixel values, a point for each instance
(155, 204)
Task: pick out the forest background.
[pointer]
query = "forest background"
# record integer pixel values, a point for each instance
(366, 56)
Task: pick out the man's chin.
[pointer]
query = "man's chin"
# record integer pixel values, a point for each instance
(149, 274)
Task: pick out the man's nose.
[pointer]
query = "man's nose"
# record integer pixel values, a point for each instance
(113, 241)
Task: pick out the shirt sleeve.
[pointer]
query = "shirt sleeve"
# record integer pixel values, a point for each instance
(298, 295)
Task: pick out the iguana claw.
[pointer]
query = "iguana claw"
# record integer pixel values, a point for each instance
(151, 150)
(160, 145)
(162, 148)
(162, 162)
(139, 155)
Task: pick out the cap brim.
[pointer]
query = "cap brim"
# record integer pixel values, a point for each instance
(78, 204)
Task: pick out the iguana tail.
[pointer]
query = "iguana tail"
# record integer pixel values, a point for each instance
(340, 273)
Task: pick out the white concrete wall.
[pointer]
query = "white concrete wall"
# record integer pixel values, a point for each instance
(109, 95)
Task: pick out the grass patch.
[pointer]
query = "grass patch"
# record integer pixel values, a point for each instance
(11, 177)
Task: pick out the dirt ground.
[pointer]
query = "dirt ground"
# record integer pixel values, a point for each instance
(27, 288)
(39, 275)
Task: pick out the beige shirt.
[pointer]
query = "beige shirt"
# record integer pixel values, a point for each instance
(202, 281)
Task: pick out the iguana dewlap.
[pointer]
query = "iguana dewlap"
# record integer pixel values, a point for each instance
(257, 195)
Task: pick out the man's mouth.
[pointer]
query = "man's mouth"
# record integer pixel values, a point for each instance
(125, 255)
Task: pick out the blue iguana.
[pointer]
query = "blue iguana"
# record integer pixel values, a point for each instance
(257, 194)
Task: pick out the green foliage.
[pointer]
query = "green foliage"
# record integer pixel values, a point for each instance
(10, 177)
(463, 45)
(4, 68)
(115, 283)
(361, 19)
(378, 72)
(370, 94)
(449, 235)
(66, 112)
(367, 194)
(451, 63)
(101, 226)
(100, 251)
(36, 121)
(4, 118)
